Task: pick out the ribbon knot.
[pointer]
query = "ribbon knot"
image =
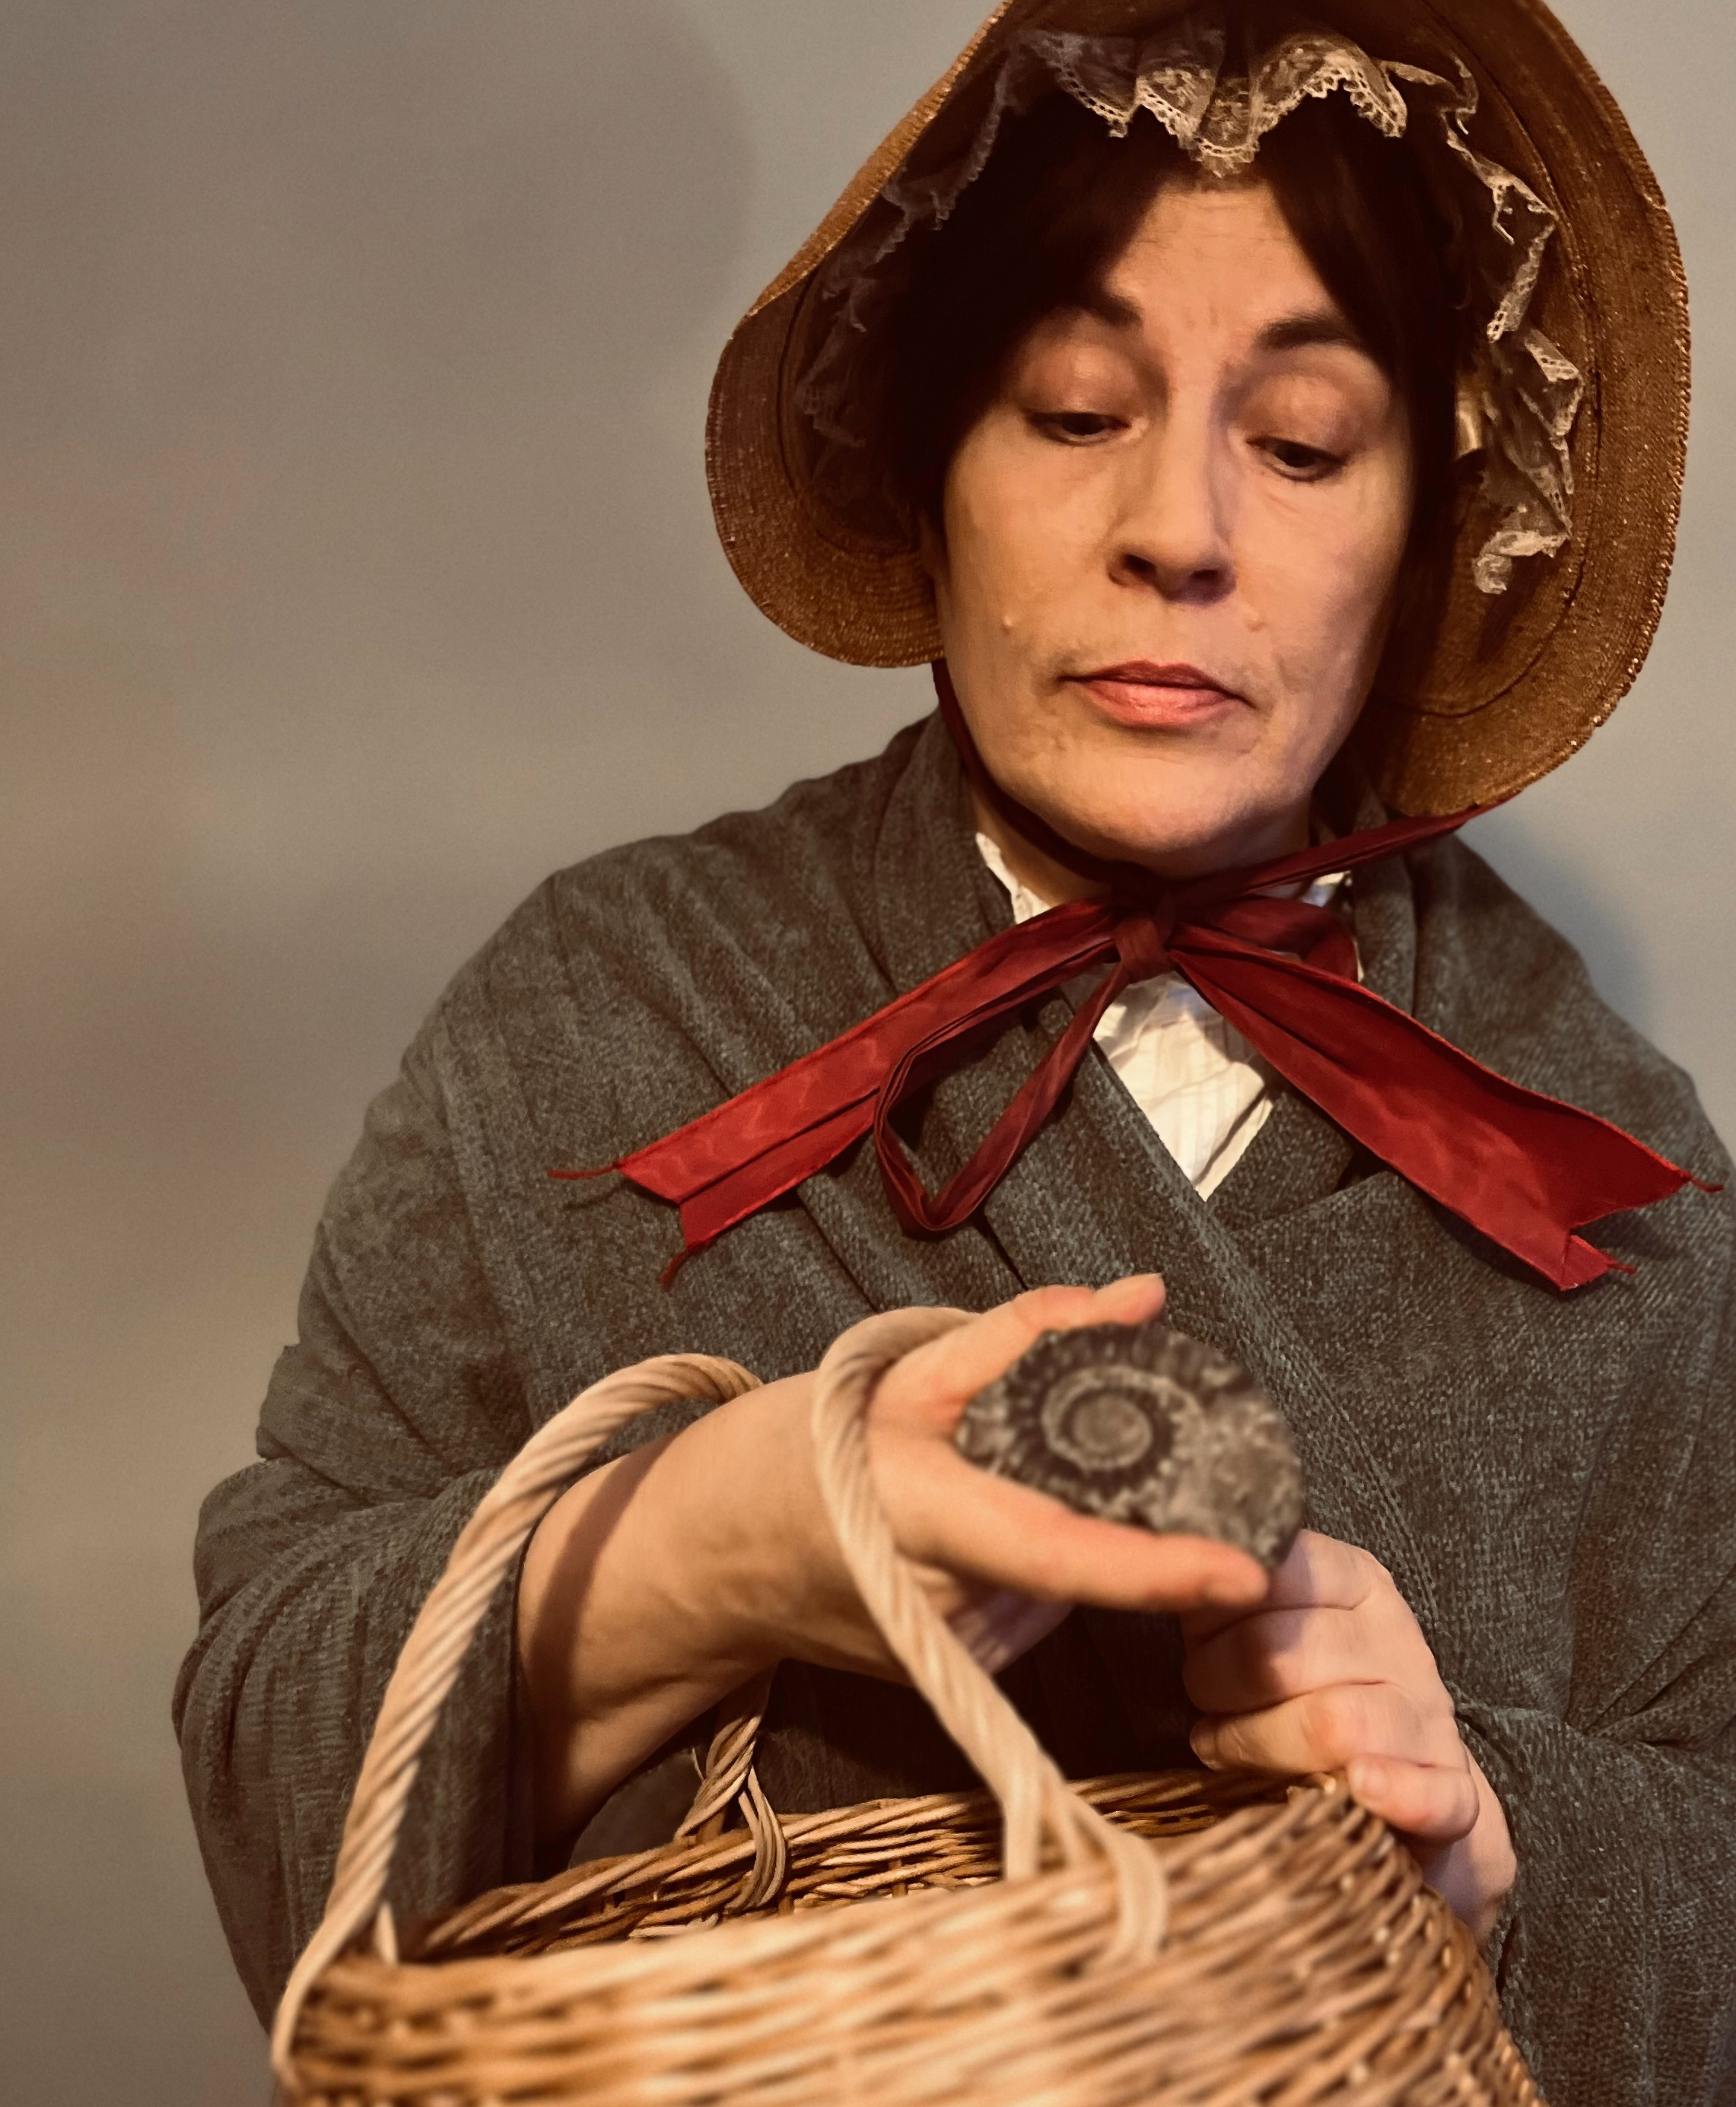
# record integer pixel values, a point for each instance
(1526, 1170)
(1142, 941)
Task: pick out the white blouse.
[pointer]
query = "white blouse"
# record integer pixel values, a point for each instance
(1196, 1079)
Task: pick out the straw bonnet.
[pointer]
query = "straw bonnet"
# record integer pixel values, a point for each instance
(1537, 644)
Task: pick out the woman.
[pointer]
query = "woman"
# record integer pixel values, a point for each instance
(1210, 397)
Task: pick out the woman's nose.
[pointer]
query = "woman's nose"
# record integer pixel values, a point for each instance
(1172, 535)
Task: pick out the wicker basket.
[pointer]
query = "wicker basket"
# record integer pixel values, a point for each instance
(1167, 1939)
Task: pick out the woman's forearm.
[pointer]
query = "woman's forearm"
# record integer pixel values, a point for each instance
(592, 1728)
(655, 1586)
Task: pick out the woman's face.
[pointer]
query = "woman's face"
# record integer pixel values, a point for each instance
(1171, 543)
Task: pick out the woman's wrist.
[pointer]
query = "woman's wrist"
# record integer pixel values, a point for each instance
(651, 1589)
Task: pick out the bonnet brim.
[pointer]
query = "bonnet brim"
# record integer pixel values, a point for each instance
(1520, 676)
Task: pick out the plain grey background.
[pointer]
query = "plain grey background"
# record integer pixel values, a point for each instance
(357, 571)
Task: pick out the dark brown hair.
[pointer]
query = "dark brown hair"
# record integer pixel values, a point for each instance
(1037, 232)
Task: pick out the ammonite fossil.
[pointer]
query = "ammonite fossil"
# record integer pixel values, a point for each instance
(1139, 1423)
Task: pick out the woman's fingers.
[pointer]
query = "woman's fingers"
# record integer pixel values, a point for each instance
(951, 1515)
(1266, 1655)
(1318, 1572)
(974, 1530)
(1134, 1299)
(1326, 1729)
(1434, 1802)
(1350, 1726)
(1331, 1672)
(928, 1390)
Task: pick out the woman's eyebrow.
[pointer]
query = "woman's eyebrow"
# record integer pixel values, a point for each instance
(1314, 325)
(1294, 332)
(1103, 306)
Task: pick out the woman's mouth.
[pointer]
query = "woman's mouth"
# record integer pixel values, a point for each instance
(1153, 697)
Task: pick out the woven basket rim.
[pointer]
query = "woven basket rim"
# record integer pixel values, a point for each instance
(1012, 1984)
(1301, 1926)
(1271, 1803)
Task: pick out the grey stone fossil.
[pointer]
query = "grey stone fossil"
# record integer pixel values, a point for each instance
(1142, 1424)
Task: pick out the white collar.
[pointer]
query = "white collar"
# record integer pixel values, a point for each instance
(1202, 1087)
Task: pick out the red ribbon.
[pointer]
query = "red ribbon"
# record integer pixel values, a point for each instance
(1525, 1170)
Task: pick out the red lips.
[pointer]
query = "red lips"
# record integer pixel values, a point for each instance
(1142, 693)
(1142, 673)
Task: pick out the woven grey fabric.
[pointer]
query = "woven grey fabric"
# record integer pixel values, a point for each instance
(1550, 1479)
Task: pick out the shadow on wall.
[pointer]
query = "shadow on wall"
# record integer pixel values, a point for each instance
(329, 352)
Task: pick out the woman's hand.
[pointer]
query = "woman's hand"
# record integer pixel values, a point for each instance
(670, 1576)
(1331, 1672)
(1001, 1563)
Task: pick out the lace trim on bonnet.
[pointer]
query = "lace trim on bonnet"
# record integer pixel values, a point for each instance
(1518, 399)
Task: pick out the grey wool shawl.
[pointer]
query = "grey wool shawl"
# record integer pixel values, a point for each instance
(1550, 1479)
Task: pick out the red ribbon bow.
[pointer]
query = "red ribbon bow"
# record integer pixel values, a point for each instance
(1525, 1170)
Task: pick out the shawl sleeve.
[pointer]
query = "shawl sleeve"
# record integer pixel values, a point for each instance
(382, 1428)
(1616, 1952)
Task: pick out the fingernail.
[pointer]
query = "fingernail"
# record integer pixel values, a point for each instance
(1203, 1742)
(1226, 1594)
(1363, 1777)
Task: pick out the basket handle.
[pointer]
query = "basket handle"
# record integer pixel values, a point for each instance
(1038, 1806)
(731, 1780)
(428, 1666)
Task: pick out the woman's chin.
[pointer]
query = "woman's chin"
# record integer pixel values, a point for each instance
(1178, 827)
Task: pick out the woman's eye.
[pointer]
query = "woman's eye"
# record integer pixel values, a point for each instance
(1302, 464)
(1076, 427)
